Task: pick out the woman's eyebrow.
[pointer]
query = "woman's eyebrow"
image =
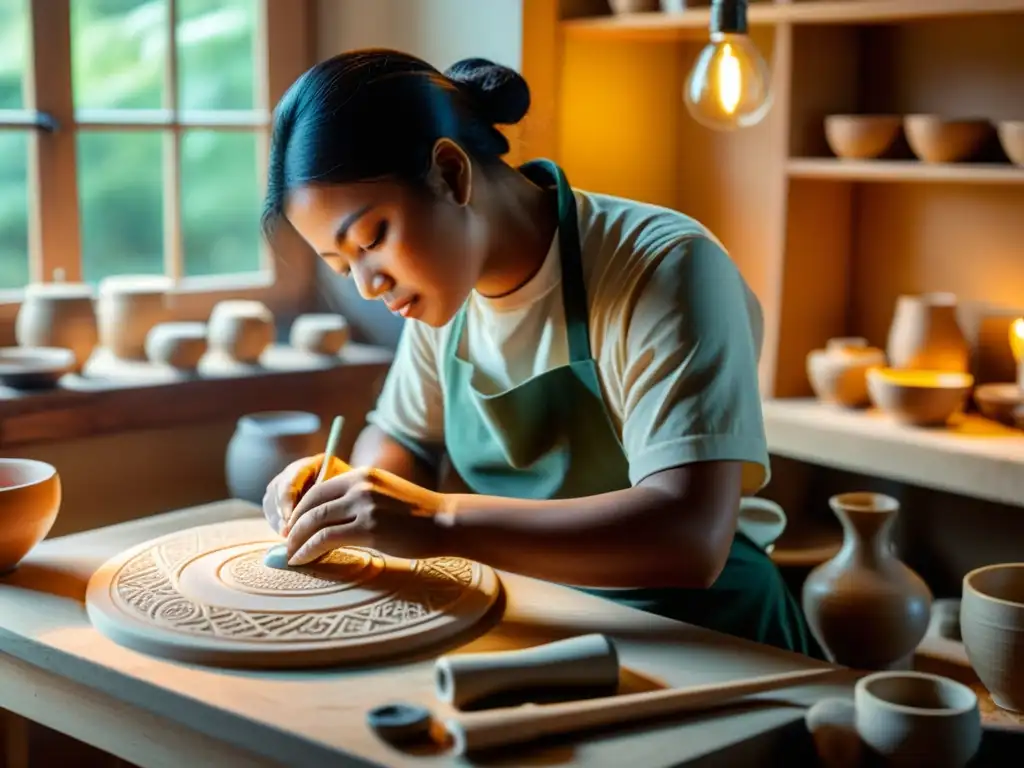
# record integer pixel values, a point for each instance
(342, 232)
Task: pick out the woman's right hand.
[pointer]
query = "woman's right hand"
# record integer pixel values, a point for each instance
(292, 483)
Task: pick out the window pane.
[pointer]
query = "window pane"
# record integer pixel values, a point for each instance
(13, 50)
(120, 189)
(13, 209)
(215, 53)
(220, 203)
(119, 50)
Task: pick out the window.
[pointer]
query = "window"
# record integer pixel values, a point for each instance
(133, 137)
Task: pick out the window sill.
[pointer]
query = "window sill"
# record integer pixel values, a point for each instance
(81, 408)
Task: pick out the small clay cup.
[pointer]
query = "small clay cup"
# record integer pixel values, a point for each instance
(992, 626)
(30, 496)
(179, 345)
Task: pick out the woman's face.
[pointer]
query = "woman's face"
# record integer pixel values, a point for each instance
(413, 249)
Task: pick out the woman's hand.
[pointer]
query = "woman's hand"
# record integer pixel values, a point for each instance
(291, 484)
(361, 507)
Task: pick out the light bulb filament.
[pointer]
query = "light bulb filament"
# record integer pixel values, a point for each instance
(729, 80)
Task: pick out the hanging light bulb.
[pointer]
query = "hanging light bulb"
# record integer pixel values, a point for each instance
(729, 86)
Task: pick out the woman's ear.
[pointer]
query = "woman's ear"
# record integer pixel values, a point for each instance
(451, 172)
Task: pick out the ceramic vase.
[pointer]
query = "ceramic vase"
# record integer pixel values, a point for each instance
(865, 608)
(58, 315)
(925, 334)
(838, 373)
(264, 444)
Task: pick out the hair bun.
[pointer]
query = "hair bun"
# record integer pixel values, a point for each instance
(501, 93)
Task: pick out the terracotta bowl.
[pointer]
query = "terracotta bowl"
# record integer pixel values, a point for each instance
(861, 137)
(992, 626)
(998, 401)
(919, 398)
(917, 719)
(1011, 136)
(35, 367)
(940, 140)
(30, 496)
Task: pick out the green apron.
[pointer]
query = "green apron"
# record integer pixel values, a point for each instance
(551, 438)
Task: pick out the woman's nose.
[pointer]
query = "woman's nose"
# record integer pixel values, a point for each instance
(370, 283)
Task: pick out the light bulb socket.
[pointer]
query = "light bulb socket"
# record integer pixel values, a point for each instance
(728, 17)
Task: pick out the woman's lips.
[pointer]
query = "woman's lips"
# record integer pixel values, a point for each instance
(405, 307)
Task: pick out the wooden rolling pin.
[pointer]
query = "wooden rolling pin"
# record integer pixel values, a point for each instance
(586, 661)
(515, 725)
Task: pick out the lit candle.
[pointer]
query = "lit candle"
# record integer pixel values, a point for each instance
(1017, 347)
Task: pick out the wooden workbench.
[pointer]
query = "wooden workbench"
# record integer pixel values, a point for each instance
(56, 670)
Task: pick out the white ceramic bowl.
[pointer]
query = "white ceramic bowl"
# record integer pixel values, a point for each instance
(916, 719)
(30, 496)
(919, 398)
(35, 367)
(992, 627)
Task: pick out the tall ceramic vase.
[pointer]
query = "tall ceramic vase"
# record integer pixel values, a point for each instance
(925, 334)
(866, 608)
(264, 444)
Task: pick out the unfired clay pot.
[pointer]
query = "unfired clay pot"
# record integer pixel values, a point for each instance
(838, 372)
(240, 330)
(992, 626)
(319, 333)
(128, 307)
(866, 608)
(925, 334)
(264, 444)
(58, 315)
(180, 345)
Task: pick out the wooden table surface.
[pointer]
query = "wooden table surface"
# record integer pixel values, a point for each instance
(57, 670)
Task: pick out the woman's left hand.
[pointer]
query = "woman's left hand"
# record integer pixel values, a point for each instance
(364, 507)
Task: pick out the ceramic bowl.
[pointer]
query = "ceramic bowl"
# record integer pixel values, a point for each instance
(998, 401)
(30, 496)
(761, 520)
(917, 719)
(935, 139)
(838, 373)
(179, 345)
(1011, 136)
(992, 626)
(861, 137)
(35, 367)
(919, 398)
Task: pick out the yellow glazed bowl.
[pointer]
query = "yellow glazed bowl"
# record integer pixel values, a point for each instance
(30, 496)
(992, 627)
(920, 398)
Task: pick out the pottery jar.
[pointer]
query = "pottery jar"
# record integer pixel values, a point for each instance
(128, 308)
(864, 607)
(58, 315)
(925, 334)
(838, 373)
(264, 444)
(992, 627)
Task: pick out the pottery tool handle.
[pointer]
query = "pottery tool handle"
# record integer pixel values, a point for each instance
(515, 725)
(584, 661)
(333, 438)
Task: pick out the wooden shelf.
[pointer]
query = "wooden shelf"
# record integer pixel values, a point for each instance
(973, 457)
(677, 26)
(903, 171)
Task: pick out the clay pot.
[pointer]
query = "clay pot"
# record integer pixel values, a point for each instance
(838, 372)
(178, 345)
(240, 330)
(128, 307)
(939, 140)
(919, 398)
(999, 401)
(633, 6)
(58, 315)
(925, 334)
(992, 626)
(861, 137)
(1011, 136)
(30, 496)
(320, 334)
(865, 608)
(264, 444)
(762, 521)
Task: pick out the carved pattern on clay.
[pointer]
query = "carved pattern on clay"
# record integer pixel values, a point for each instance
(146, 585)
(249, 572)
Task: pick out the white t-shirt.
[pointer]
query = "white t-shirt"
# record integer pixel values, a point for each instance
(674, 329)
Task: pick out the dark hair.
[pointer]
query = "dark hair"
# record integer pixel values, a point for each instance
(377, 113)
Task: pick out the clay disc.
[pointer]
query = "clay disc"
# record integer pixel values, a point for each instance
(204, 595)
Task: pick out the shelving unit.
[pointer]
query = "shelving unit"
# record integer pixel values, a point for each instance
(827, 245)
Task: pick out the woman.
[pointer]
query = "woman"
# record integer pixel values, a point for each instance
(587, 364)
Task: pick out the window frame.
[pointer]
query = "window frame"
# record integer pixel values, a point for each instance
(285, 44)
